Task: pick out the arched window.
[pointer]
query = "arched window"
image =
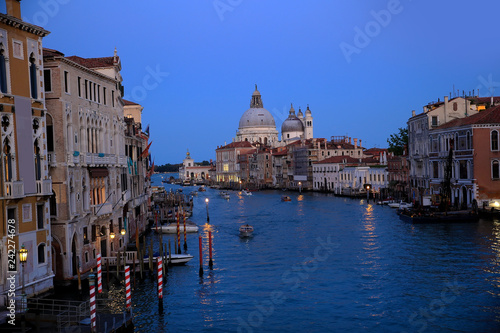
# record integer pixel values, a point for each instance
(7, 157)
(38, 166)
(494, 140)
(3, 71)
(495, 170)
(33, 77)
(41, 253)
(455, 106)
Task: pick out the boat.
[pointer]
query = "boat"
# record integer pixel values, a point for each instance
(194, 193)
(438, 217)
(286, 198)
(224, 195)
(246, 230)
(176, 259)
(245, 192)
(186, 182)
(202, 189)
(400, 205)
(171, 228)
(164, 181)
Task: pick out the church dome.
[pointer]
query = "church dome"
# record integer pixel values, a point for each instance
(257, 116)
(292, 123)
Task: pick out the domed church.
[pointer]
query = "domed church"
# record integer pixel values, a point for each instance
(257, 125)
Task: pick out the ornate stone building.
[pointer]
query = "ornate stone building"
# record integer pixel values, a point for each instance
(25, 185)
(88, 165)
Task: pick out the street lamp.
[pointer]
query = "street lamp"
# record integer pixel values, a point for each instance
(240, 185)
(367, 187)
(208, 218)
(112, 235)
(123, 232)
(300, 187)
(23, 257)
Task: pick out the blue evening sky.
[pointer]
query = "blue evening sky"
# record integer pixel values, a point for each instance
(207, 55)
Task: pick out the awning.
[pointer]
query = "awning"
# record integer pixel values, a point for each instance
(98, 172)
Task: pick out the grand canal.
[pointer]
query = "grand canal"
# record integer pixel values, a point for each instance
(321, 263)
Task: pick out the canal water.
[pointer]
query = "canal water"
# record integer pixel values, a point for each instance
(322, 263)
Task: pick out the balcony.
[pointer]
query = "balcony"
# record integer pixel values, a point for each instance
(72, 159)
(14, 189)
(102, 209)
(44, 187)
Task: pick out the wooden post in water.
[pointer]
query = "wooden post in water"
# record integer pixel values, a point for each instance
(141, 262)
(185, 243)
(169, 254)
(201, 257)
(118, 265)
(133, 266)
(150, 258)
(179, 235)
(107, 273)
(210, 262)
(164, 258)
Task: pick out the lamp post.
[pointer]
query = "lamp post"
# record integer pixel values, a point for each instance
(367, 193)
(123, 232)
(112, 235)
(208, 218)
(240, 185)
(23, 257)
(300, 187)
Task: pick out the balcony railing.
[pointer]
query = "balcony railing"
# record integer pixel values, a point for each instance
(102, 209)
(72, 159)
(44, 187)
(14, 189)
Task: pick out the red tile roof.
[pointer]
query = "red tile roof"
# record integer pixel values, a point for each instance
(488, 116)
(52, 53)
(93, 62)
(129, 102)
(237, 144)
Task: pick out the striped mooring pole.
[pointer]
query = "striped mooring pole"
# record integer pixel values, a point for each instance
(99, 274)
(127, 288)
(160, 285)
(178, 236)
(185, 243)
(201, 255)
(93, 320)
(210, 262)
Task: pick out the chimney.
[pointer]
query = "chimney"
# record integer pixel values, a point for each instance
(413, 113)
(355, 143)
(360, 146)
(14, 8)
(491, 100)
(445, 99)
(349, 140)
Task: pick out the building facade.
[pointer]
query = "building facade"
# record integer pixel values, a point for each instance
(88, 163)
(25, 184)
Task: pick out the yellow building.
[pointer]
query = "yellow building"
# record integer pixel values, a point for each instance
(25, 187)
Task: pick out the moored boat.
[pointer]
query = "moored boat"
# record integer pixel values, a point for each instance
(438, 217)
(246, 230)
(245, 192)
(286, 198)
(171, 228)
(176, 259)
(202, 189)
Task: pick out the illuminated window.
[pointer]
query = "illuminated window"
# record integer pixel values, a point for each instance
(226, 167)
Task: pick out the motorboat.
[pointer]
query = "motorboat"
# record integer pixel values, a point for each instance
(224, 195)
(286, 198)
(171, 228)
(245, 192)
(202, 189)
(246, 230)
(176, 259)
(400, 205)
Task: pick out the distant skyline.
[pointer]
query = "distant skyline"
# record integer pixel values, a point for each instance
(361, 66)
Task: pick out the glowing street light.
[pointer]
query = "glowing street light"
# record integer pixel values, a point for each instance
(123, 232)
(112, 235)
(208, 218)
(300, 187)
